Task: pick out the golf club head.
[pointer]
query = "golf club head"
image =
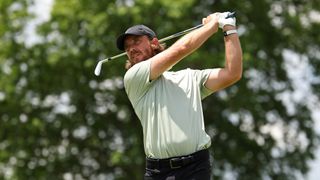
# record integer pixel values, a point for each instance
(97, 70)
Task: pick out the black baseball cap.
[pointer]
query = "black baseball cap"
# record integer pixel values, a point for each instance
(138, 30)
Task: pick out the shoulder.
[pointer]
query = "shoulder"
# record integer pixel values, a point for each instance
(139, 69)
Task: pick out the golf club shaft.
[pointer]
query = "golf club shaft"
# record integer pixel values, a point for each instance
(180, 33)
(232, 14)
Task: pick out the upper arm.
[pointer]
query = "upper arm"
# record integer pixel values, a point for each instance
(220, 78)
(165, 60)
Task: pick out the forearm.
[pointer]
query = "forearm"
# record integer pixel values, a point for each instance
(221, 78)
(233, 54)
(180, 49)
(192, 41)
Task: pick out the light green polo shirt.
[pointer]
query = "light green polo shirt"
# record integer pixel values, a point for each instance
(169, 109)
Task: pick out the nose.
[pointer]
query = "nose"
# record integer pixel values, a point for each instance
(131, 50)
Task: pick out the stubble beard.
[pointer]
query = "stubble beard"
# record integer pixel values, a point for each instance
(144, 57)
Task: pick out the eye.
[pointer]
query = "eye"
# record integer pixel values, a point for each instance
(137, 42)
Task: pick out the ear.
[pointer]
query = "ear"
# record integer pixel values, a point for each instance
(154, 43)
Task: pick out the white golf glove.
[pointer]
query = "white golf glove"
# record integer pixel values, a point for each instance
(223, 21)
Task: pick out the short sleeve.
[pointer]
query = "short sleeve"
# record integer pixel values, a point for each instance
(201, 77)
(137, 80)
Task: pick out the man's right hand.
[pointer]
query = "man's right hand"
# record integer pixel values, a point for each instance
(212, 20)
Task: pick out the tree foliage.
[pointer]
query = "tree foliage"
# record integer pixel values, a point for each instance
(57, 120)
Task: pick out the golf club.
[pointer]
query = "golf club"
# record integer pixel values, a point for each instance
(99, 65)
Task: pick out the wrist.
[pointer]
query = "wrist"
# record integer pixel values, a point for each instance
(228, 27)
(212, 27)
(229, 32)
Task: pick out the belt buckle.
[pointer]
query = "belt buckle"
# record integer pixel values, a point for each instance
(172, 166)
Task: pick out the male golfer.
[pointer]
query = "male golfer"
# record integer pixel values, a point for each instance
(168, 104)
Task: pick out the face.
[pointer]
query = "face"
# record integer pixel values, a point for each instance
(138, 48)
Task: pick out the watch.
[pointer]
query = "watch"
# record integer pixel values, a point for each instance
(227, 33)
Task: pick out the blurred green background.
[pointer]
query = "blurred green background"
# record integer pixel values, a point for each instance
(59, 121)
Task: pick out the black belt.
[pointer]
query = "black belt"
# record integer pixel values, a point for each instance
(177, 162)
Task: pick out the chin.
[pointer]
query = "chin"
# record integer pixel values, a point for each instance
(140, 59)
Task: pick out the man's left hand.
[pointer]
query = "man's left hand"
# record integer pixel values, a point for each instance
(226, 21)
